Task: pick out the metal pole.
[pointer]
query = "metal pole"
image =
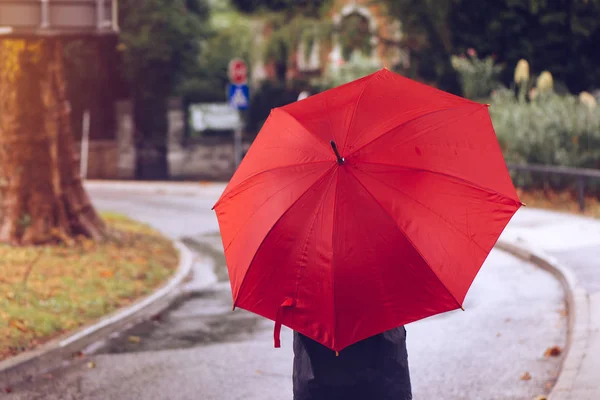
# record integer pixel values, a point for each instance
(85, 145)
(45, 15)
(115, 15)
(237, 143)
(100, 20)
(581, 193)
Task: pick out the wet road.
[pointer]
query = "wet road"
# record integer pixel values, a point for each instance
(202, 350)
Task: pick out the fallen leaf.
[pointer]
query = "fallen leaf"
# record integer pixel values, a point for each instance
(549, 385)
(14, 323)
(542, 397)
(563, 313)
(78, 354)
(7, 389)
(134, 339)
(526, 376)
(91, 365)
(10, 295)
(553, 351)
(48, 376)
(107, 273)
(498, 334)
(507, 320)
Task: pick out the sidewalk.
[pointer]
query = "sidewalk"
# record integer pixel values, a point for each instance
(574, 242)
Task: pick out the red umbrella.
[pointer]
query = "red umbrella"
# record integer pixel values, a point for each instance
(363, 208)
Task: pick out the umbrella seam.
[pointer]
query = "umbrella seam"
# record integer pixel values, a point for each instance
(405, 236)
(319, 180)
(264, 202)
(458, 178)
(333, 236)
(305, 246)
(451, 225)
(355, 109)
(412, 120)
(229, 196)
(305, 128)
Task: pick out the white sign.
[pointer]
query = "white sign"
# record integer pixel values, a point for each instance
(214, 116)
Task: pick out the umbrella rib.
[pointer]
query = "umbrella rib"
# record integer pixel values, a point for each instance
(405, 235)
(354, 111)
(429, 209)
(409, 121)
(228, 197)
(458, 178)
(321, 178)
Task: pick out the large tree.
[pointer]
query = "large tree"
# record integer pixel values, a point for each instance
(560, 35)
(428, 33)
(42, 198)
(160, 41)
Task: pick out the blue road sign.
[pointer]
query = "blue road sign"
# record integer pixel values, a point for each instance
(238, 96)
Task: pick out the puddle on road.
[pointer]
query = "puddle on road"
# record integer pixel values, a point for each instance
(197, 320)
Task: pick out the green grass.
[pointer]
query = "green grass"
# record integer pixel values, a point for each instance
(68, 287)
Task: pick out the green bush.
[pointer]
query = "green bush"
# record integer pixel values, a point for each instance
(478, 77)
(549, 130)
(358, 66)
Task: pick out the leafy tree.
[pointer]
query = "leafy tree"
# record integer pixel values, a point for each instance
(290, 21)
(160, 42)
(426, 24)
(559, 35)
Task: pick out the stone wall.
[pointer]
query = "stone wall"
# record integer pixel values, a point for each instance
(197, 159)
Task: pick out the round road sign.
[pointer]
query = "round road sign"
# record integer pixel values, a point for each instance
(238, 71)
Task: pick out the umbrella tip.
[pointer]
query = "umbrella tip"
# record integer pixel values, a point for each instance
(462, 308)
(340, 159)
(337, 353)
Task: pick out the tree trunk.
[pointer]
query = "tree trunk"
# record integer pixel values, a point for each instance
(42, 198)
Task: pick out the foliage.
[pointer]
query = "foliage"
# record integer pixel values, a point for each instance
(550, 130)
(272, 94)
(160, 43)
(354, 35)
(52, 289)
(209, 79)
(559, 36)
(429, 34)
(358, 66)
(478, 77)
(311, 8)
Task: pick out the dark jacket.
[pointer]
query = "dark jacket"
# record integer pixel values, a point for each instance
(373, 369)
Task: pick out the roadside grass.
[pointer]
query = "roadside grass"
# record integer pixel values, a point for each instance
(559, 201)
(48, 290)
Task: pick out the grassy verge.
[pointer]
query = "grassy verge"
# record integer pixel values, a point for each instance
(46, 291)
(559, 201)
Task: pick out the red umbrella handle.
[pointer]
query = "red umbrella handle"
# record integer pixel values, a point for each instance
(277, 332)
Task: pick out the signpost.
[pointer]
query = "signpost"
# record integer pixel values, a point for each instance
(238, 97)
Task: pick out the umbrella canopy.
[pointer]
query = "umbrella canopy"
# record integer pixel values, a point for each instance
(363, 208)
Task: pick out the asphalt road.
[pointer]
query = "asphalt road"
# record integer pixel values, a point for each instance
(201, 350)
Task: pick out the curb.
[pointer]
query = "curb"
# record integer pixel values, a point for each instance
(577, 308)
(158, 187)
(51, 355)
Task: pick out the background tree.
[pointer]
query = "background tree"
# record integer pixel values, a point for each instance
(289, 22)
(41, 195)
(160, 42)
(559, 36)
(426, 25)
